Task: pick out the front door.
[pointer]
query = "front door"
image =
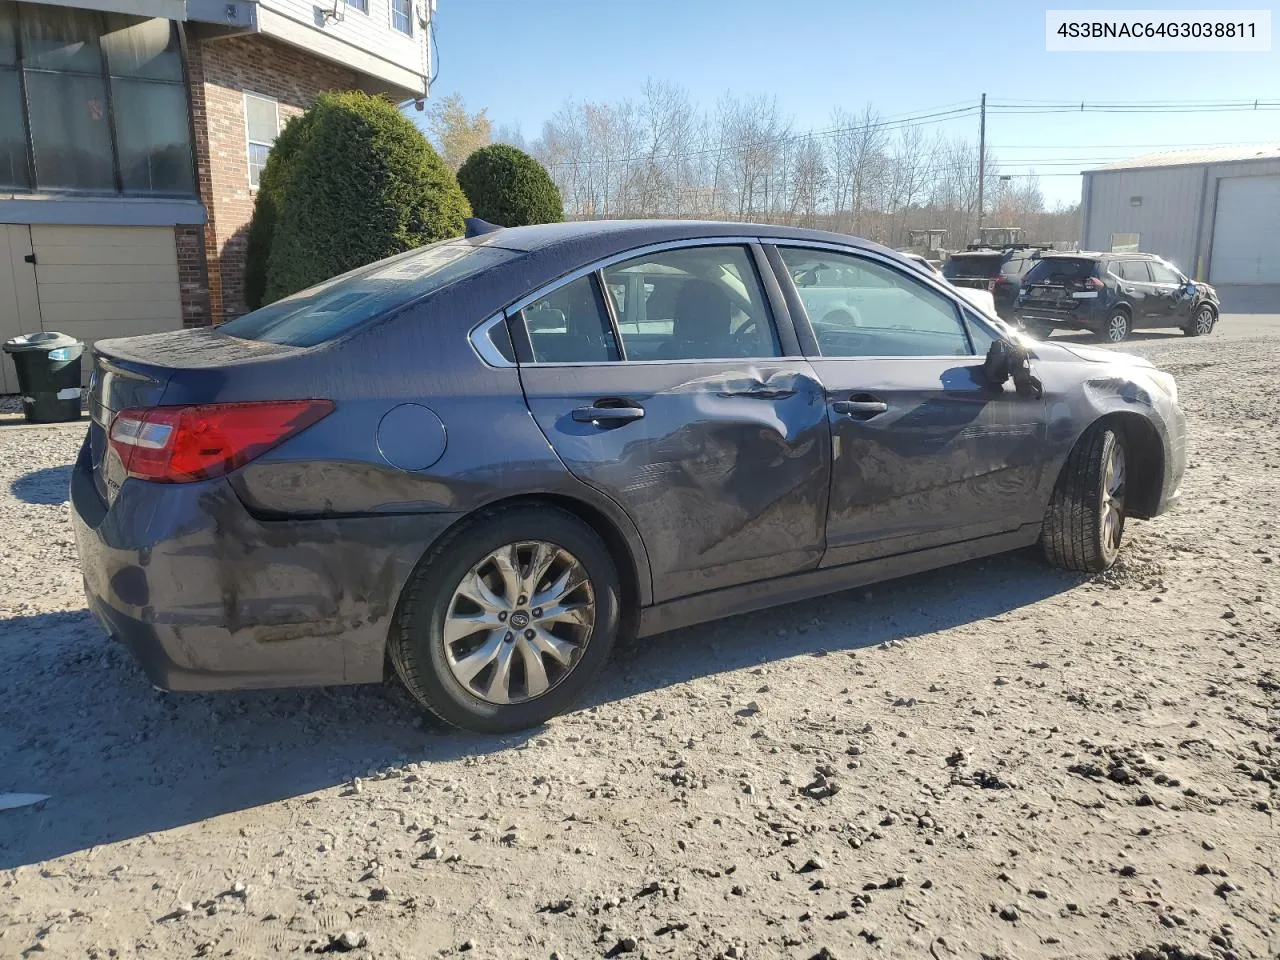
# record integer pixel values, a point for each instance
(1170, 293)
(19, 305)
(925, 452)
(672, 398)
(1137, 288)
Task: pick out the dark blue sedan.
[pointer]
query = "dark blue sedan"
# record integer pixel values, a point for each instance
(482, 461)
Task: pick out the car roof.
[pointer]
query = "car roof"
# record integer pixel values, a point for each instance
(626, 234)
(1101, 255)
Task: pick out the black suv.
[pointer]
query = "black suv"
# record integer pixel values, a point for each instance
(998, 270)
(1112, 294)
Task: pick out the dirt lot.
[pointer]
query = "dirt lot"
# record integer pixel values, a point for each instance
(995, 760)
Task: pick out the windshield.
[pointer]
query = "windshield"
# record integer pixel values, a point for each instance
(1059, 270)
(986, 265)
(327, 310)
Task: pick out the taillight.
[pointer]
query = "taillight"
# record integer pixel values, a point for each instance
(182, 444)
(1095, 284)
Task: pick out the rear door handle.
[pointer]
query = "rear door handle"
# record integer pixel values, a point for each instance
(862, 409)
(608, 416)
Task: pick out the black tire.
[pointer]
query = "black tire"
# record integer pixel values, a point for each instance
(1119, 326)
(1202, 323)
(1075, 534)
(417, 648)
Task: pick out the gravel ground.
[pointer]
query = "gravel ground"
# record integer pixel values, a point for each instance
(994, 760)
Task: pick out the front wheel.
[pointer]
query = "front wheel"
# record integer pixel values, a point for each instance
(1117, 328)
(508, 620)
(1085, 521)
(1202, 323)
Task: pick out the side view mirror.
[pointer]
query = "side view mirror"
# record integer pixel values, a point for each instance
(1007, 360)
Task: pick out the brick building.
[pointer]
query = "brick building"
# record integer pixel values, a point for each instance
(132, 134)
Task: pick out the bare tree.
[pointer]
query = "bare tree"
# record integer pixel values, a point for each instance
(456, 133)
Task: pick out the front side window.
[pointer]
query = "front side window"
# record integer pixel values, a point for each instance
(692, 303)
(1134, 271)
(262, 126)
(105, 105)
(402, 16)
(1161, 273)
(877, 311)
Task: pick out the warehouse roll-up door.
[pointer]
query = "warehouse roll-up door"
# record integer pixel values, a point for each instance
(1246, 235)
(99, 282)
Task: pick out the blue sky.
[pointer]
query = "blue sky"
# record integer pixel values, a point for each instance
(522, 59)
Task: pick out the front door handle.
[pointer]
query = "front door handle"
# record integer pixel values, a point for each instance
(861, 409)
(608, 416)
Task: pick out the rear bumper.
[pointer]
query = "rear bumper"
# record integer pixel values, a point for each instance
(208, 597)
(1089, 317)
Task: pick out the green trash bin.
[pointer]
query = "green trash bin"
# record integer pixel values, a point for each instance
(48, 375)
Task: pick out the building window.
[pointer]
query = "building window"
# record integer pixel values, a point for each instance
(261, 124)
(92, 102)
(361, 5)
(1125, 242)
(402, 16)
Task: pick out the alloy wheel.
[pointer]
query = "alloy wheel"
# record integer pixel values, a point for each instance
(518, 622)
(1204, 321)
(1117, 328)
(1113, 495)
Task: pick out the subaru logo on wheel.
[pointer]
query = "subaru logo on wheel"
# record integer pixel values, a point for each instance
(519, 619)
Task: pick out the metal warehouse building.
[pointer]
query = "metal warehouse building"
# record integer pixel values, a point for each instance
(1214, 213)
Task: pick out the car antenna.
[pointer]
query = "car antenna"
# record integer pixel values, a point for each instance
(477, 227)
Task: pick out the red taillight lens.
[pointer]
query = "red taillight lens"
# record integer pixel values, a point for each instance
(181, 444)
(1095, 284)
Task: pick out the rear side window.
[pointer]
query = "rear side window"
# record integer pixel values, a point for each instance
(972, 266)
(1059, 270)
(691, 303)
(570, 325)
(330, 309)
(1134, 270)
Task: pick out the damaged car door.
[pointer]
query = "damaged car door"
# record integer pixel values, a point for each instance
(660, 379)
(926, 450)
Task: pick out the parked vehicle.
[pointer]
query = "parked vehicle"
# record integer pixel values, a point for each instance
(998, 271)
(484, 460)
(1113, 294)
(980, 298)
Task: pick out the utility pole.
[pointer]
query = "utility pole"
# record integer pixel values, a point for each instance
(982, 161)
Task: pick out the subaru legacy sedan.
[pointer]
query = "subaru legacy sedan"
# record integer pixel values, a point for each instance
(476, 464)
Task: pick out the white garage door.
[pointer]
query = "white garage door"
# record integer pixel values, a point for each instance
(100, 282)
(1246, 238)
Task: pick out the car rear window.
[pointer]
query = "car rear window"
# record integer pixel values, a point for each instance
(986, 265)
(330, 309)
(1059, 270)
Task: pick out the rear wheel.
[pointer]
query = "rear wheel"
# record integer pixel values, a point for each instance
(1084, 525)
(1202, 323)
(508, 620)
(1117, 328)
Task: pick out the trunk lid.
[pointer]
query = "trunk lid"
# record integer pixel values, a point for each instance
(1059, 284)
(182, 366)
